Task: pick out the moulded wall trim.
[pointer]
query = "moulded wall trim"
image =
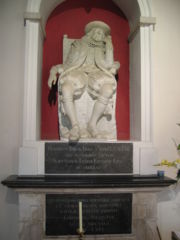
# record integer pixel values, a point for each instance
(143, 22)
(36, 6)
(32, 64)
(145, 8)
(33, 5)
(35, 17)
(146, 120)
(30, 86)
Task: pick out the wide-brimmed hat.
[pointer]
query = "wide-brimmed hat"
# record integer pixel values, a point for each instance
(98, 24)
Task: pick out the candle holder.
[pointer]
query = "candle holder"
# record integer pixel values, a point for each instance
(80, 233)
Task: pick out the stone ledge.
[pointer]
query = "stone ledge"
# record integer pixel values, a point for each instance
(87, 181)
(99, 237)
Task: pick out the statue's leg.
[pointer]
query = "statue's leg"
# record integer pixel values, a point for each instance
(100, 105)
(72, 87)
(69, 107)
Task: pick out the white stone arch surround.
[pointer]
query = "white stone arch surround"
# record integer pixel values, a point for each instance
(138, 13)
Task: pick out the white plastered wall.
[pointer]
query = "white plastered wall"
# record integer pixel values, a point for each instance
(12, 39)
(166, 101)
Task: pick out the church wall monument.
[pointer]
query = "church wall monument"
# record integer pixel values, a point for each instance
(117, 194)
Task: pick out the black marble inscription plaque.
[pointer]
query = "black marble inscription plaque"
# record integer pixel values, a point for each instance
(66, 158)
(102, 214)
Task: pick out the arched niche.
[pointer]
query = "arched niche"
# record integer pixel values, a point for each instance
(138, 13)
(69, 18)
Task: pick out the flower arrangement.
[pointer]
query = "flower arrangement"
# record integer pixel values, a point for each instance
(175, 164)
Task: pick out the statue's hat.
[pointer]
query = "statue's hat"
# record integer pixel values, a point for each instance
(98, 24)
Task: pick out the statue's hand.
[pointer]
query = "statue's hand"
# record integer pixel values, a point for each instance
(60, 70)
(53, 75)
(52, 80)
(109, 45)
(115, 68)
(113, 71)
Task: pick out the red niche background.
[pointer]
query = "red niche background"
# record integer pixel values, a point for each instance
(70, 18)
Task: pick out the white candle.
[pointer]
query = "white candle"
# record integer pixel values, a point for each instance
(80, 218)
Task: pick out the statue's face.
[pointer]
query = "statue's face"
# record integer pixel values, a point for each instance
(98, 35)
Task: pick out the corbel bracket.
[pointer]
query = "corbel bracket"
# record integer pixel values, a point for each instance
(143, 22)
(35, 17)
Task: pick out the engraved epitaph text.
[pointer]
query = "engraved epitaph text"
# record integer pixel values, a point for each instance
(65, 158)
(102, 214)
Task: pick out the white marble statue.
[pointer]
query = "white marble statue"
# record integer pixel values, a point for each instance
(88, 69)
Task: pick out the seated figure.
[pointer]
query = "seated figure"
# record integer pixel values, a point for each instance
(88, 69)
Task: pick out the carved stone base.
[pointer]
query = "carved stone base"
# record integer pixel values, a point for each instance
(32, 217)
(139, 193)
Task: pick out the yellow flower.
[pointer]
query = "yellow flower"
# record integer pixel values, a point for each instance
(168, 163)
(177, 161)
(164, 162)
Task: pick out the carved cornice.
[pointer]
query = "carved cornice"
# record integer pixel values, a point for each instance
(143, 22)
(35, 17)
